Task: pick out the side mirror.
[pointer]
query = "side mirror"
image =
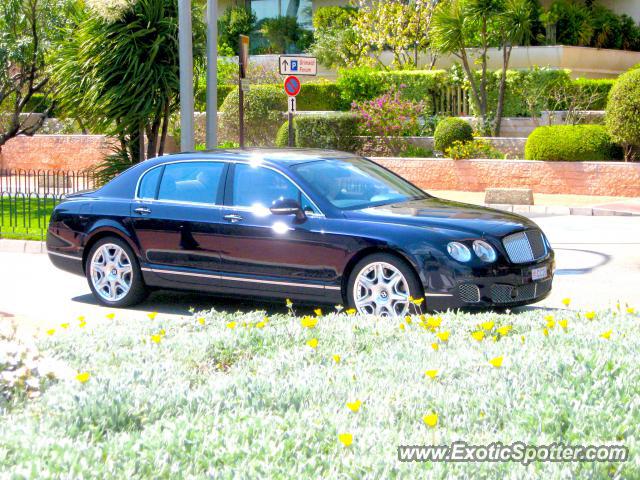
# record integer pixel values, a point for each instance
(287, 206)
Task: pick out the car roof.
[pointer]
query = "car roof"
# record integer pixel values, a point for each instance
(272, 156)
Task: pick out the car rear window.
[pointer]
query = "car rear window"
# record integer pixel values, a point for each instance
(195, 182)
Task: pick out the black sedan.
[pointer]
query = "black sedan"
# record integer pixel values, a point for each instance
(310, 225)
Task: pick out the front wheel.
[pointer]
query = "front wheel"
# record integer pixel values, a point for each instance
(113, 274)
(381, 285)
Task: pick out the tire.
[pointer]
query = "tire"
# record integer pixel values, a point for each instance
(119, 286)
(390, 298)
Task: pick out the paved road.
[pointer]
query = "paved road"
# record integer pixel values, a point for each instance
(598, 263)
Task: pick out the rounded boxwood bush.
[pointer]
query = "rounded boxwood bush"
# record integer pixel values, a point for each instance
(623, 112)
(571, 143)
(450, 130)
(263, 110)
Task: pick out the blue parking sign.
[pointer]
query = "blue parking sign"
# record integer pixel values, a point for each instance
(294, 65)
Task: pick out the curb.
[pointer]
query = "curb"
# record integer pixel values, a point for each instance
(560, 210)
(22, 246)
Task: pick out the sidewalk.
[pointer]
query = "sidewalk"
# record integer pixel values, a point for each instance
(555, 204)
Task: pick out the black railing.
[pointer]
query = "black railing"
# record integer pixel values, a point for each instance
(45, 182)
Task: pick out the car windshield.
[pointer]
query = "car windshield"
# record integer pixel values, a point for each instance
(356, 183)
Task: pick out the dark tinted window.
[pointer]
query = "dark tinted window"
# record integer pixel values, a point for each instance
(258, 186)
(191, 182)
(149, 184)
(355, 183)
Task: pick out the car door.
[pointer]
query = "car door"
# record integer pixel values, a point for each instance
(277, 253)
(176, 218)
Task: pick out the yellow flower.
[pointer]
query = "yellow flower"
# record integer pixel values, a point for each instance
(496, 362)
(431, 373)
(156, 338)
(434, 322)
(551, 323)
(487, 325)
(590, 315)
(64, 325)
(82, 324)
(308, 322)
(402, 326)
(231, 325)
(631, 310)
(408, 319)
(346, 439)
(289, 303)
(261, 324)
(51, 331)
(430, 420)
(416, 301)
(81, 318)
(566, 302)
(162, 332)
(479, 335)
(444, 336)
(111, 316)
(354, 406)
(564, 323)
(152, 315)
(336, 358)
(313, 343)
(318, 312)
(545, 332)
(606, 335)
(435, 346)
(350, 311)
(522, 338)
(83, 377)
(201, 321)
(504, 330)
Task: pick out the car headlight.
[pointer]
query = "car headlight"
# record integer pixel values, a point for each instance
(459, 251)
(484, 251)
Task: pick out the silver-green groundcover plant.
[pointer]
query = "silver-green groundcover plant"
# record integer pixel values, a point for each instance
(520, 452)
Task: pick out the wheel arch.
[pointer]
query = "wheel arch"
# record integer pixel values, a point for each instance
(365, 252)
(104, 232)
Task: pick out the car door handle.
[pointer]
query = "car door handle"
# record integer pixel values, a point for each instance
(142, 210)
(233, 217)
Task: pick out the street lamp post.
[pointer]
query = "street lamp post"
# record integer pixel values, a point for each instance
(186, 75)
(212, 74)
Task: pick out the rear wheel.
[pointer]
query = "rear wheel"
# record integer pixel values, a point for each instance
(113, 273)
(381, 285)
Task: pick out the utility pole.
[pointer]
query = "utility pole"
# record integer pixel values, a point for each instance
(185, 41)
(212, 74)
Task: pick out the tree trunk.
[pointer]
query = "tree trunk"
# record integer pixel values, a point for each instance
(152, 136)
(141, 142)
(506, 55)
(165, 128)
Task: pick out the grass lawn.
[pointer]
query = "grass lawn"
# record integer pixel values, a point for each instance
(238, 396)
(25, 218)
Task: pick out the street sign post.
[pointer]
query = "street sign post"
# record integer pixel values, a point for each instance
(243, 66)
(297, 65)
(292, 87)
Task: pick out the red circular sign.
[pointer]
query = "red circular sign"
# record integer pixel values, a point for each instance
(292, 85)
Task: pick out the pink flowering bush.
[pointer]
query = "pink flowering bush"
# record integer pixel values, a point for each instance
(390, 118)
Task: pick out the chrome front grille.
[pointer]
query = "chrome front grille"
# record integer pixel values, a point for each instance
(469, 293)
(524, 247)
(501, 293)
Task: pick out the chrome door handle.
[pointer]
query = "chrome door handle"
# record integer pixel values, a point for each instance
(233, 217)
(142, 210)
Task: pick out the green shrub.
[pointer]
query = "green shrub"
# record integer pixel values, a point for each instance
(450, 130)
(38, 103)
(335, 131)
(623, 112)
(319, 97)
(476, 148)
(595, 90)
(358, 84)
(571, 143)
(263, 105)
(233, 22)
(201, 96)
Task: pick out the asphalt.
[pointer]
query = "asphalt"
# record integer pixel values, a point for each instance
(598, 264)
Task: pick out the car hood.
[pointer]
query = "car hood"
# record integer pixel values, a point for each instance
(445, 214)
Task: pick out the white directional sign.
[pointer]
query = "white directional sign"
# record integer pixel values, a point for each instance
(298, 65)
(292, 104)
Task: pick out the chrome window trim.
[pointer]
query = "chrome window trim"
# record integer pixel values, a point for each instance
(234, 161)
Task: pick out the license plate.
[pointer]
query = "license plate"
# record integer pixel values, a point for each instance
(539, 273)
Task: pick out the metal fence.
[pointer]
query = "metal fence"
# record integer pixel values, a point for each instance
(27, 198)
(45, 182)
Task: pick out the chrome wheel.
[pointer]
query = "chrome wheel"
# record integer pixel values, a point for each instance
(381, 289)
(111, 272)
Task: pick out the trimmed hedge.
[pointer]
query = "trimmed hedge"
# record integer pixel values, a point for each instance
(450, 130)
(571, 143)
(319, 97)
(595, 89)
(335, 131)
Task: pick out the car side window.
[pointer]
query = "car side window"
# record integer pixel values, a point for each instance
(196, 182)
(149, 184)
(258, 186)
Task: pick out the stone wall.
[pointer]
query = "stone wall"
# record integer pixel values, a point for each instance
(577, 178)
